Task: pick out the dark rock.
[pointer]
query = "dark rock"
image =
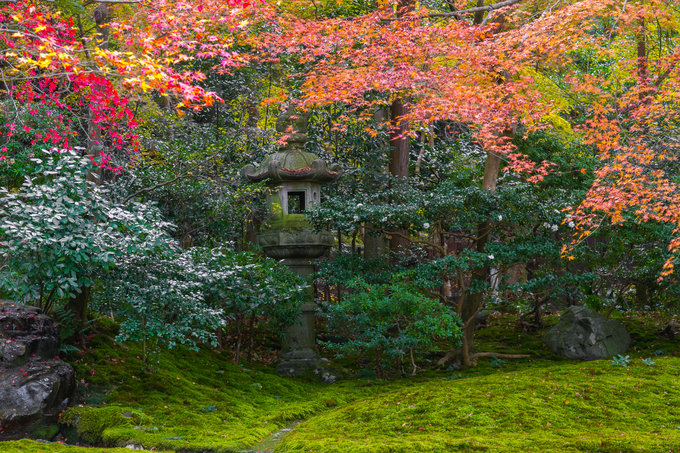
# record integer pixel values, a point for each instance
(482, 318)
(35, 386)
(671, 331)
(583, 334)
(25, 335)
(315, 369)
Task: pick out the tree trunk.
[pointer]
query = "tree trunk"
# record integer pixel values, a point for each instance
(642, 70)
(375, 244)
(399, 160)
(102, 17)
(401, 143)
(473, 303)
(78, 306)
(479, 15)
(252, 226)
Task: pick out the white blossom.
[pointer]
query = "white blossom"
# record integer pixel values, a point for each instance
(426, 225)
(491, 257)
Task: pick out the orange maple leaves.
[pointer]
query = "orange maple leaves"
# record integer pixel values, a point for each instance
(485, 76)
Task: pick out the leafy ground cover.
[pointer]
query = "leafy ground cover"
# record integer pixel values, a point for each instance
(200, 401)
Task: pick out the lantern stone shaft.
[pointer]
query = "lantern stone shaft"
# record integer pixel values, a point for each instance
(294, 178)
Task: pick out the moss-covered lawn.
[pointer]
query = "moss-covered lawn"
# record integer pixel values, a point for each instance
(29, 446)
(193, 400)
(564, 407)
(200, 401)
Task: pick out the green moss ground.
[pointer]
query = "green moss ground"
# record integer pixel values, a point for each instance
(540, 404)
(194, 401)
(563, 407)
(28, 446)
(200, 401)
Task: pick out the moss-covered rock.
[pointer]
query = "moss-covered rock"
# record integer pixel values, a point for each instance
(105, 425)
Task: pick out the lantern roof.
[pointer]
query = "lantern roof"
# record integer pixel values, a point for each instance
(291, 165)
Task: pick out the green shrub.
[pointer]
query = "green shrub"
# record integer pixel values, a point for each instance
(61, 229)
(389, 323)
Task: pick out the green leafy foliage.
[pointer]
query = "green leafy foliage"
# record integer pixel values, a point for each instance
(184, 297)
(621, 360)
(61, 229)
(388, 323)
(161, 300)
(245, 284)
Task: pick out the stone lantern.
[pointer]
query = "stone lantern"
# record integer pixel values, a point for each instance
(294, 178)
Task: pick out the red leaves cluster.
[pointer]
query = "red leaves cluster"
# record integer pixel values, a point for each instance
(72, 83)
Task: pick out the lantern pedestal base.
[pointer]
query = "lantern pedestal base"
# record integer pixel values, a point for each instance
(317, 368)
(298, 356)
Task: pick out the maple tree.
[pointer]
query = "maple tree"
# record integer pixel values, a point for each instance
(507, 68)
(55, 72)
(601, 73)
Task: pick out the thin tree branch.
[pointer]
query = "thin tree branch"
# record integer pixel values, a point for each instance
(439, 248)
(170, 181)
(476, 9)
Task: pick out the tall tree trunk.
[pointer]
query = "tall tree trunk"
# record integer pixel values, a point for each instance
(474, 302)
(401, 143)
(642, 69)
(399, 159)
(375, 244)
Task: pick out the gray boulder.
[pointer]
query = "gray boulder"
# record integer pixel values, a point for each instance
(38, 390)
(35, 386)
(25, 335)
(583, 334)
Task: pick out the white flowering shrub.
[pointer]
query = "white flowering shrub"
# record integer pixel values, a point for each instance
(60, 230)
(186, 297)
(161, 301)
(253, 291)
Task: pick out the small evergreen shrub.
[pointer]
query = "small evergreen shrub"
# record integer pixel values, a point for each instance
(60, 230)
(388, 324)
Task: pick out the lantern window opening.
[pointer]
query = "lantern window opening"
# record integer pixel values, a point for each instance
(296, 202)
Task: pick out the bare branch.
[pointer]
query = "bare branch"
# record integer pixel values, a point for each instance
(187, 173)
(477, 9)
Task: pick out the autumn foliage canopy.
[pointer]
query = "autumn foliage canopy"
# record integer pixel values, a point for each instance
(604, 72)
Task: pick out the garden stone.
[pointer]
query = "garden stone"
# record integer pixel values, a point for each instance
(671, 331)
(25, 335)
(35, 386)
(583, 334)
